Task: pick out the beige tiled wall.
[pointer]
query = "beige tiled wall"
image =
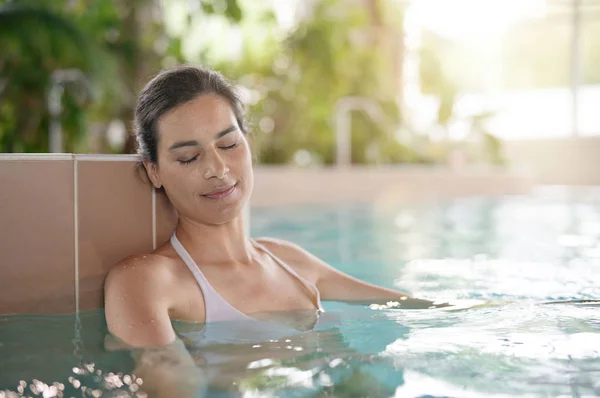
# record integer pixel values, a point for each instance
(43, 250)
(115, 219)
(37, 231)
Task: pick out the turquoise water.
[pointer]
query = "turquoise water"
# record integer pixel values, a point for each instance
(501, 259)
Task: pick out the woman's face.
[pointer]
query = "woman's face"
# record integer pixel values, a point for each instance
(204, 161)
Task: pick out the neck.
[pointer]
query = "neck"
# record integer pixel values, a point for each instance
(216, 244)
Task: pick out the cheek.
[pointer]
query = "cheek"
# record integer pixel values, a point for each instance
(179, 180)
(248, 170)
(245, 164)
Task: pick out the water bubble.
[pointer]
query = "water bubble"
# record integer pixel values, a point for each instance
(50, 392)
(113, 380)
(38, 387)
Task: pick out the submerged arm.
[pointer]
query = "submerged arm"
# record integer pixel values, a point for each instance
(137, 314)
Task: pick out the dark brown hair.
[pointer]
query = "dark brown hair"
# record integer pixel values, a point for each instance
(174, 87)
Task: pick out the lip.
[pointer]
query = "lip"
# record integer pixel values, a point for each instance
(221, 192)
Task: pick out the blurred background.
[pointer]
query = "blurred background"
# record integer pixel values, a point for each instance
(363, 113)
(503, 84)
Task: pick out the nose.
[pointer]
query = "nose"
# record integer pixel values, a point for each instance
(215, 167)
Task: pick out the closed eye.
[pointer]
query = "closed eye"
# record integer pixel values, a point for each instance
(188, 161)
(226, 148)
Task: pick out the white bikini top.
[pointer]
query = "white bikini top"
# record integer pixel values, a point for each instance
(217, 308)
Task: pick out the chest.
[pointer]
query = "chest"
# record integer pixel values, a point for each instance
(267, 287)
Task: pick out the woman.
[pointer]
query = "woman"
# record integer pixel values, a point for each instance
(193, 143)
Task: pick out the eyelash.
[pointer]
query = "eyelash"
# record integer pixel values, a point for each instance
(226, 148)
(189, 160)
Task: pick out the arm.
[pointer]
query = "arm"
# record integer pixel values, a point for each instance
(335, 285)
(338, 286)
(137, 313)
(136, 309)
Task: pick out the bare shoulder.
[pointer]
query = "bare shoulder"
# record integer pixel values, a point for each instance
(141, 271)
(287, 250)
(137, 298)
(303, 262)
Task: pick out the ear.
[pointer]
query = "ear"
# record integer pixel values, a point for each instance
(152, 170)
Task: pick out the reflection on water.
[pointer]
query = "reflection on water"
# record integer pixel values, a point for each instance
(508, 348)
(320, 362)
(499, 260)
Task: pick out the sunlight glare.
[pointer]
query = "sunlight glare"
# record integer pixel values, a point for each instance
(462, 18)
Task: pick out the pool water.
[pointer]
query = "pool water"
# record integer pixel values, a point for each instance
(505, 261)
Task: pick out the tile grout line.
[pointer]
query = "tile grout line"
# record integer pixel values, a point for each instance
(153, 218)
(76, 225)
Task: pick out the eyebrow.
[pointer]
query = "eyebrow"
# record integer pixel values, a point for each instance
(181, 144)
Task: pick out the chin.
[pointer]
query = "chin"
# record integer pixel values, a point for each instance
(226, 214)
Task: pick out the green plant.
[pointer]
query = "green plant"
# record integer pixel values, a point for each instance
(117, 44)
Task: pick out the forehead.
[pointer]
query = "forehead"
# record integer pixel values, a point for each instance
(207, 114)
